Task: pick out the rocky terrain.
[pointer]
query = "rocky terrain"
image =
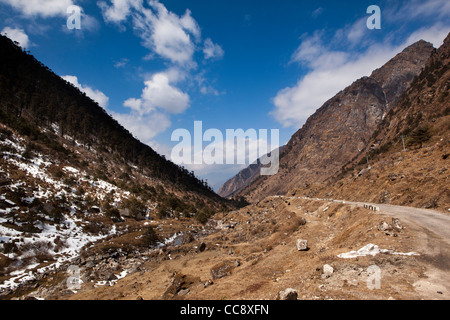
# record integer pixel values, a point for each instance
(343, 126)
(52, 209)
(81, 219)
(321, 249)
(72, 176)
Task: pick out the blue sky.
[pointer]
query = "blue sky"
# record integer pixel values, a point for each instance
(160, 65)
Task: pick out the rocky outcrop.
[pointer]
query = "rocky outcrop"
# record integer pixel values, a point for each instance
(302, 245)
(396, 76)
(288, 294)
(224, 269)
(180, 286)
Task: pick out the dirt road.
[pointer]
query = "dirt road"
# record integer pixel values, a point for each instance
(432, 231)
(431, 220)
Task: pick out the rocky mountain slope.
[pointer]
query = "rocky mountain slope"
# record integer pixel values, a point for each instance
(243, 179)
(343, 126)
(406, 160)
(71, 176)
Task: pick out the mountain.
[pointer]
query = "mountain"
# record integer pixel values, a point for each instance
(77, 222)
(34, 97)
(243, 179)
(343, 126)
(406, 160)
(72, 176)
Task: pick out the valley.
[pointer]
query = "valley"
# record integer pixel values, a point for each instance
(360, 209)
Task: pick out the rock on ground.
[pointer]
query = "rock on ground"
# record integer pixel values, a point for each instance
(288, 294)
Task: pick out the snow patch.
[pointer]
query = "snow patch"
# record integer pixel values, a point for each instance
(372, 250)
(71, 169)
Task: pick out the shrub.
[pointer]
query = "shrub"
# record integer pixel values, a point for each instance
(59, 174)
(57, 215)
(150, 236)
(28, 153)
(163, 211)
(113, 214)
(80, 192)
(204, 214)
(419, 136)
(95, 228)
(70, 181)
(9, 247)
(135, 206)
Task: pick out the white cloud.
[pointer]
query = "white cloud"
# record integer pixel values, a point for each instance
(121, 63)
(212, 50)
(208, 90)
(50, 9)
(17, 35)
(331, 70)
(94, 94)
(89, 23)
(315, 55)
(134, 104)
(170, 36)
(411, 9)
(159, 94)
(357, 31)
(144, 127)
(167, 34)
(435, 34)
(174, 38)
(43, 8)
(316, 13)
(119, 11)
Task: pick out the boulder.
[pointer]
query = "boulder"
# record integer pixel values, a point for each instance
(180, 286)
(182, 239)
(302, 245)
(327, 271)
(223, 269)
(183, 292)
(396, 224)
(288, 294)
(384, 226)
(201, 247)
(127, 213)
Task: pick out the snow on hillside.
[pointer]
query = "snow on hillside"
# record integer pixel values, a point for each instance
(59, 241)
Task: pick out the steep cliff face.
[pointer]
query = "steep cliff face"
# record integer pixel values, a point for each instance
(343, 126)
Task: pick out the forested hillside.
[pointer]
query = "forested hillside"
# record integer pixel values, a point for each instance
(33, 97)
